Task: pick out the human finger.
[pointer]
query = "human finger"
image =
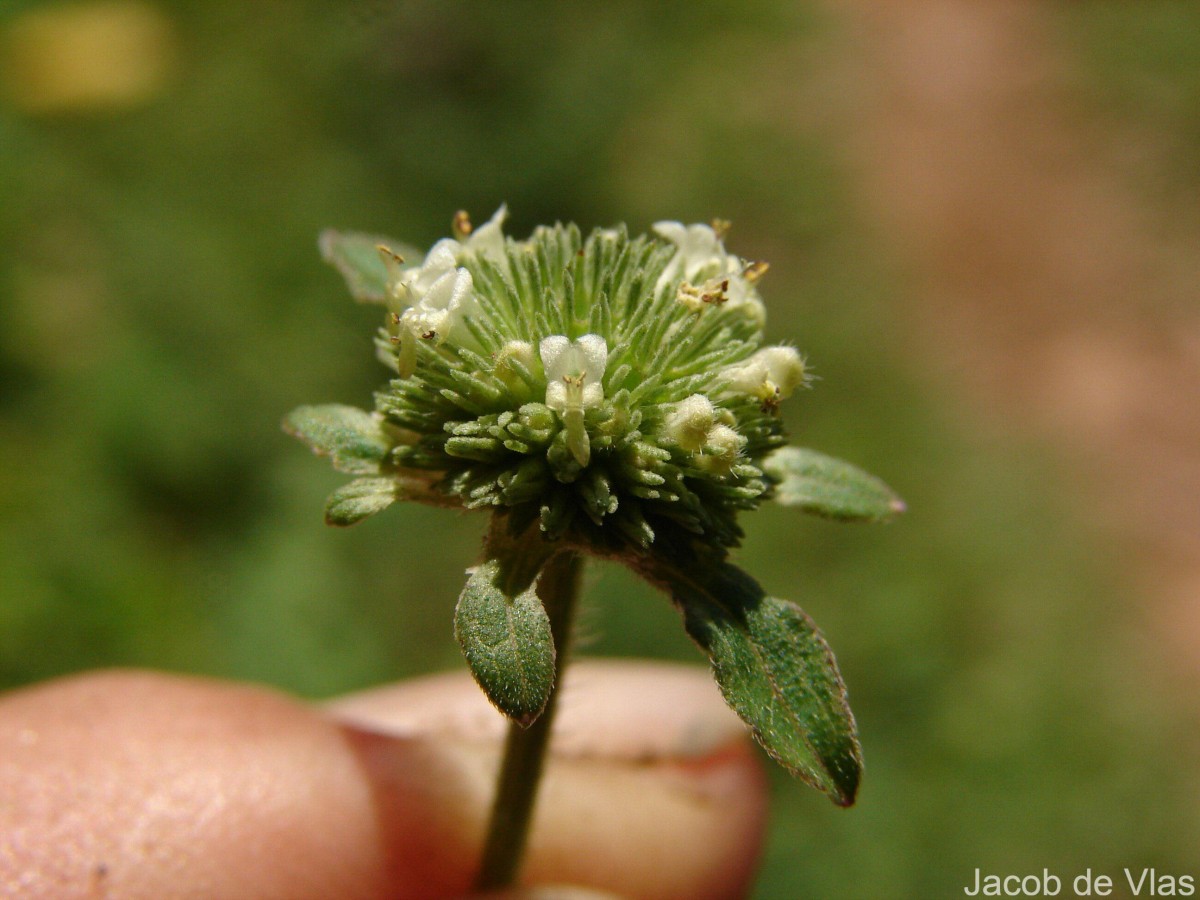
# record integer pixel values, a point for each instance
(651, 790)
(140, 785)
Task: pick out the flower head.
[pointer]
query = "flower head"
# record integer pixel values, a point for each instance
(608, 387)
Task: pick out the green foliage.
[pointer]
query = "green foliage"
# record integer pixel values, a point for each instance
(830, 487)
(507, 642)
(774, 668)
(360, 498)
(354, 440)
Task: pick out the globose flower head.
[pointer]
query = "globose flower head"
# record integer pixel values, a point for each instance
(608, 386)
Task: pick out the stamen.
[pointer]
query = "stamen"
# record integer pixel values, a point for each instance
(754, 270)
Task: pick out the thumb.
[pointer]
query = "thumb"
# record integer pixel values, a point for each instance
(651, 789)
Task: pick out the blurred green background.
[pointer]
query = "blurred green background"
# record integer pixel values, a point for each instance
(165, 168)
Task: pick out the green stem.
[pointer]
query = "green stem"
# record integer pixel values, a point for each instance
(525, 748)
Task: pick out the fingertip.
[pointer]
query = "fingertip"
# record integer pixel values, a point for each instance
(138, 784)
(651, 790)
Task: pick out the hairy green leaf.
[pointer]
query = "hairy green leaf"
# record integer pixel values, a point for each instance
(360, 498)
(774, 669)
(358, 258)
(507, 642)
(352, 438)
(830, 487)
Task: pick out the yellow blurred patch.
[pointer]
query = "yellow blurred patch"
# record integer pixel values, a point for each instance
(91, 57)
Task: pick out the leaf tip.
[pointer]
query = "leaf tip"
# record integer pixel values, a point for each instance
(289, 422)
(845, 789)
(846, 775)
(526, 719)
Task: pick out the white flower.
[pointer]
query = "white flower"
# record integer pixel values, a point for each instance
(487, 241)
(771, 374)
(441, 258)
(442, 296)
(573, 372)
(707, 433)
(439, 293)
(438, 308)
(415, 284)
(700, 252)
(697, 247)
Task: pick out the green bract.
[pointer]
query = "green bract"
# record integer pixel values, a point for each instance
(606, 394)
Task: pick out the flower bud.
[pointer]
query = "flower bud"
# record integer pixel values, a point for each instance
(688, 425)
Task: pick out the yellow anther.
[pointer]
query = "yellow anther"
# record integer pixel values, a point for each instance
(754, 270)
(461, 225)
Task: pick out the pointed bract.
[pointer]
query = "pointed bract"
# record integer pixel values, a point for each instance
(830, 487)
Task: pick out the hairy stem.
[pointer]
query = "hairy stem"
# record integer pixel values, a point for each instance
(525, 748)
